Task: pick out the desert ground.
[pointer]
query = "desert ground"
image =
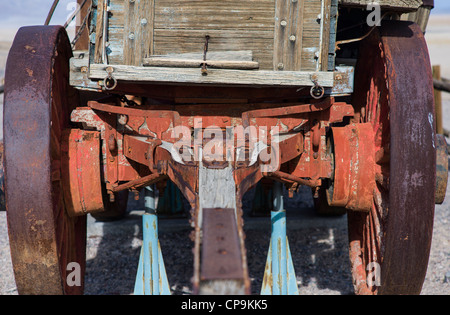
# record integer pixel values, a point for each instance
(321, 256)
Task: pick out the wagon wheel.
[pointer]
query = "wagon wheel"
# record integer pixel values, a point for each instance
(394, 92)
(38, 101)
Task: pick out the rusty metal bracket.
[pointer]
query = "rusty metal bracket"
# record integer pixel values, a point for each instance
(221, 253)
(354, 178)
(81, 172)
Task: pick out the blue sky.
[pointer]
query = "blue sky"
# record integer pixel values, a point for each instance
(442, 6)
(28, 12)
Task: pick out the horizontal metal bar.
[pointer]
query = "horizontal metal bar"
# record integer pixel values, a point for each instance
(442, 85)
(141, 182)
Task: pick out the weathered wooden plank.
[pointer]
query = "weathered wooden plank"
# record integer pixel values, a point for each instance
(241, 55)
(180, 26)
(99, 33)
(325, 32)
(211, 14)
(79, 72)
(214, 77)
(288, 32)
(333, 30)
(297, 35)
(138, 31)
(185, 41)
(391, 4)
(189, 63)
(222, 60)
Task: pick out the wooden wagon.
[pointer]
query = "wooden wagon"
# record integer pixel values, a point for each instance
(218, 97)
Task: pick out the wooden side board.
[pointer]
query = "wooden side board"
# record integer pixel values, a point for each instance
(283, 35)
(223, 77)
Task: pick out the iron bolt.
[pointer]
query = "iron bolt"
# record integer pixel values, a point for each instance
(283, 23)
(131, 36)
(280, 66)
(292, 38)
(123, 119)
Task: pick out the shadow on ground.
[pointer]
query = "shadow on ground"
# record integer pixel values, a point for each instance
(319, 248)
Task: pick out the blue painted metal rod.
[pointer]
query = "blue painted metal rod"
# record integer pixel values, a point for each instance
(151, 278)
(279, 256)
(150, 243)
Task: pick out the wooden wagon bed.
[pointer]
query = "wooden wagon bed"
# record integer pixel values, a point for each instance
(222, 43)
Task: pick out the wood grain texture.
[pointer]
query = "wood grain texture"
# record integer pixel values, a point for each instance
(138, 31)
(302, 43)
(220, 77)
(98, 56)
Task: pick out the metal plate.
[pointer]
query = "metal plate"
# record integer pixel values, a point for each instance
(221, 252)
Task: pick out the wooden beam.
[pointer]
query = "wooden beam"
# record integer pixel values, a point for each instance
(214, 76)
(442, 85)
(138, 31)
(188, 63)
(438, 100)
(99, 54)
(326, 29)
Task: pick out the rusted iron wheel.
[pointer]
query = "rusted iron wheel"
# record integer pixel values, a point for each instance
(390, 245)
(44, 240)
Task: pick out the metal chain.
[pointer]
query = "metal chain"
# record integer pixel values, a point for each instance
(82, 27)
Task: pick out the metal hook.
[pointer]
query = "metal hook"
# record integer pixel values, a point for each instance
(109, 82)
(317, 91)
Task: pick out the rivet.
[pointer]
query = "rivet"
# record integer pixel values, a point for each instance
(280, 66)
(122, 119)
(283, 23)
(131, 36)
(292, 38)
(144, 21)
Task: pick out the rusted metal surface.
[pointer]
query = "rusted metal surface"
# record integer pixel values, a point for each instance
(139, 183)
(441, 168)
(143, 139)
(354, 175)
(281, 176)
(394, 92)
(38, 101)
(221, 247)
(81, 173)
